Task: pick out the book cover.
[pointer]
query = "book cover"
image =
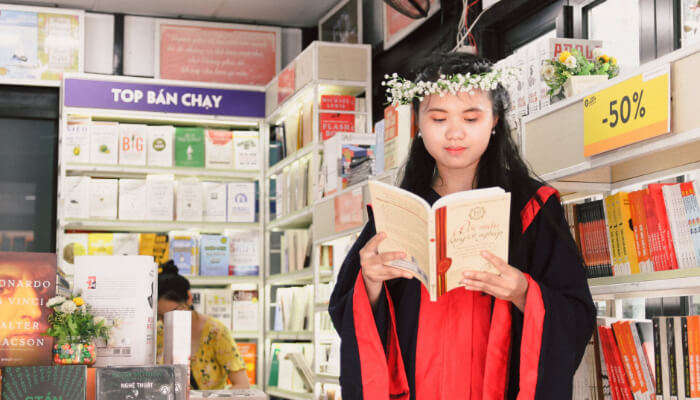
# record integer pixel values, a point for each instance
(184, 251)
(249, 353)
(76, 142)
(337, 102)
(189, 147)
(214, 255)
(331, 123)
(657, 253)
(189, 200)
(655, 190)
(639, 222)
(692, 209)
(160, 146)
(246, 150)
(241, 202)
(678, 223)
(214, 202)
(160, 196)
(103, 198)
(244, 253)
(618, 382)
(399, 130)
(100, 244)
(626, 228)
(132, 199)
(643, 339)
(126, 244)
(147, 243)
(66, 382)
(136, 383)
(245, 310)
(104, 143)
(28, 281)
(218, 305)
(122, 289)
(132, 144)
(72, 245)
(461, 225)
(76, 197)
(625, 346)
(218, 149)
(161, 248)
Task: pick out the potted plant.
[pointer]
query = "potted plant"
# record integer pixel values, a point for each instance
(74, 330)
(571, 73)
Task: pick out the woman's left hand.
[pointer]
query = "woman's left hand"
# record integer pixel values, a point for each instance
(510, 284)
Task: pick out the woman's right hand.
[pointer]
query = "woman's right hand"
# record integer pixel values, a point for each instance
(375, 269)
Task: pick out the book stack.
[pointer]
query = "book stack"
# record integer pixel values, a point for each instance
(653, 229)
(295, 311)
(295, 246)
(111, 143)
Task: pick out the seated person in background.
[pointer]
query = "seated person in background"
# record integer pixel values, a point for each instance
(215, 356)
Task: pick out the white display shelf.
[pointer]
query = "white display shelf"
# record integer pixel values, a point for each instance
(297, 219)
(291, 278)
(325, 276)
(163, 118)
(290, 159)
(290, 335)
(30, 82)
(321, 307)
(305, 94)
(679, 282)
(222, 280)
(130, 171)
(286, 394)
(328, 379)
(328, 337)
(152, 226)
(245, 334)
(339, 235)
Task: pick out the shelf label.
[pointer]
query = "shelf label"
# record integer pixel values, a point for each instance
(153, 97)
(628, 112)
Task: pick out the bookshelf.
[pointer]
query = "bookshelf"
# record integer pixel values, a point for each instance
(321, 69)
(560, 127)
(81, 98)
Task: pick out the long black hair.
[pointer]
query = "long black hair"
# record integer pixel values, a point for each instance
(171, 285)
(500, 165)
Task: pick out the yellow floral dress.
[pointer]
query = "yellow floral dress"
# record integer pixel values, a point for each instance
(217, 355)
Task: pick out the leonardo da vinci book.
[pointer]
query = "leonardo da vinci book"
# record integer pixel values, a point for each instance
(442, 241)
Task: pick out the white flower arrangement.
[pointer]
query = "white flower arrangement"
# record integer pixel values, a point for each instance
(55, 301)
(67, 307)
(403, 91)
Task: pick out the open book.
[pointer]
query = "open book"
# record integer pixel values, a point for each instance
(442, 241)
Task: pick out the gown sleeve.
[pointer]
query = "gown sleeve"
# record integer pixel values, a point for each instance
(559, 316)
(371, 366)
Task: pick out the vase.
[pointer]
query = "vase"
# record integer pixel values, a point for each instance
(576, 85)
(74, 354)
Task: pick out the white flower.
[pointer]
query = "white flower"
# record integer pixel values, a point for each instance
(597, 52)
(548, 72)
(99, 319)
(570, 62)
(67, 307)
(54, 301)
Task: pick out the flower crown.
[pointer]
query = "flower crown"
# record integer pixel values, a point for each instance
(403, 91)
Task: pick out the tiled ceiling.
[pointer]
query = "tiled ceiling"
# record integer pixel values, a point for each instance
(294, 13)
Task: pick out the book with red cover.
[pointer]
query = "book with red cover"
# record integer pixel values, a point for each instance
(337, 102)
(624, 385)
(607, 364)
(639, 222)
(664, 227)
(28, 281)
(658, 255)
(331, 123)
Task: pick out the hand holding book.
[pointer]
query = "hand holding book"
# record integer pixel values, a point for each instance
(375, 268)
(509, 284)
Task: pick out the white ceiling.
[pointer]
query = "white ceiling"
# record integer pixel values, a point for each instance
(295, 13)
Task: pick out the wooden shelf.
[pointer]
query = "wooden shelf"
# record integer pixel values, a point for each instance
(679, 282)
(152, 226)
(131, 171)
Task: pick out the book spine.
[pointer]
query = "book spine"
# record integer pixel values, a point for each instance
(601, 242)
(664, 228)
(623, 378)
(610, 366)
(686, 356)
(580, 237)
(657, 254)
(640, 354)
(625, 355)
(672, 359)
(694, 337)
(656, 323)
(627, 231)
(585, 241)
(611, 232)
(604, 389)
(675, 210)
(692, 208)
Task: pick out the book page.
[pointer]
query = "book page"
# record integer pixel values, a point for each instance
(403, 216)
(471, 228)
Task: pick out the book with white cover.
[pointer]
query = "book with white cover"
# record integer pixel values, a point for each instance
(680, 229)
(245, 153)
(160, 197)
(76, 197)
(241, 202)
(214, 202)
(76, 142)
(160, 146)
(104, 143)
(132, 199)
(132, 144)
(177, 337)
(218, 149)
(245, 310)
(103, 198)
(189, 200)
(218, 305)
(125, 244)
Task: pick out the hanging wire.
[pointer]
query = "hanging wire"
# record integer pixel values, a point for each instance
(464, 34)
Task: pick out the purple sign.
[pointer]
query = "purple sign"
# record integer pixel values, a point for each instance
(159, 98)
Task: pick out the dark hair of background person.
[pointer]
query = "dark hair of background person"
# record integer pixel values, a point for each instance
(171, 285)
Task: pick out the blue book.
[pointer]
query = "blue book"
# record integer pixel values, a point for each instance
(214, 250)
(183, 251)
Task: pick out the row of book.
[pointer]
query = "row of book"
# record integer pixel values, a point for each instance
(294, 309)
(295, 248)
(655, 359)
(111, 143)
(283, 373)
(237, 309)
(158, 198)
(234, 253)
(653, 229)
(348, 159)
(293, 188)
(296, 131)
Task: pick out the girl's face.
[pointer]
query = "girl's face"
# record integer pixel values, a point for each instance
(456, 128)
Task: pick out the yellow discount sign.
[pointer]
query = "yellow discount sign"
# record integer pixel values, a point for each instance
(628, 112)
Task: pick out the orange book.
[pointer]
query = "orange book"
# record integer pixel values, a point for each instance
(625, 342)
(249, 353)
(694, 354)
(90, 388)
(639, 222)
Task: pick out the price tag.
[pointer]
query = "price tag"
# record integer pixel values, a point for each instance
(631, 111)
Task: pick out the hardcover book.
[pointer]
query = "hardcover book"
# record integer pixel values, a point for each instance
(136, 383)
(442, 241)
(189, 147)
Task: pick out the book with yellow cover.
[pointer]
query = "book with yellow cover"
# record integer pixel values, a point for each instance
(100, 244)
(442, 241)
